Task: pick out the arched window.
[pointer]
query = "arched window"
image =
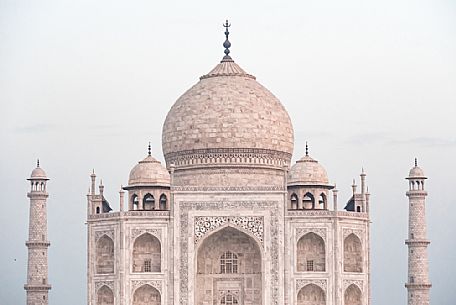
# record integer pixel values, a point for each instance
(105, 296)
(163, 202)
(209, 280)
(146, 294)
(105, 255)
(135, 202)
(294, 201)
(228, 299)
(352, 295)
(308, 202)
(149, 202)
(311, 294)
(146, 254)
(98, 210)
(311, 253)
(353, 255)
(228, 263)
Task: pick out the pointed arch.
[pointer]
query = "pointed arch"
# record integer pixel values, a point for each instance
(163, 202)
(134, 202)
(311, 294)
(353, 295)
(105, 255)
(146, 295)
(353, 254)
(149, 202)
(323, 201)
(105, 296)
(228, 255)
(294, 201)
(311, 253)
(146, 254)
(308, 201)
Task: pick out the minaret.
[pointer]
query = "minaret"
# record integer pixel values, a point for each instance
(37, 286)
(418, 284)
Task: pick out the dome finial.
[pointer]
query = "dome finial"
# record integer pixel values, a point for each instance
(38, 162)
(227, 43)
(416, 162)
(307, 149)
(149, 150)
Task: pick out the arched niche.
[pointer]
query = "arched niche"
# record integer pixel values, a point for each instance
(308, 201)
(229, 260)
(352, 295)
(353, 254)
(323, 201)
(105, 296)
(146, 254)
(146, 295)
(294, 201)
(163, 202)
(311, 253)
(134, 202)
(311, 294)
(105, 255)
(148, 202)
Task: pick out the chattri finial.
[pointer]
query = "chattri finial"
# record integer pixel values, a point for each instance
(307, 149)
(149, 150)
(227, 43)
(38, 162)
(416, 162)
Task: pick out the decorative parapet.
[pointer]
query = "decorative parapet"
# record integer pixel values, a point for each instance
(228, 156)
(267, 188)
(327, 213)
(142, 213)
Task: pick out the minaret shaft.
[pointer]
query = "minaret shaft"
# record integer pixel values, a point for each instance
(37, 286)
(418, 284)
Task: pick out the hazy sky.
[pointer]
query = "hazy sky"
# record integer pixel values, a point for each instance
(86, 84)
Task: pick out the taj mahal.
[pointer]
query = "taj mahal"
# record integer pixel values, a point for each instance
(228, 219)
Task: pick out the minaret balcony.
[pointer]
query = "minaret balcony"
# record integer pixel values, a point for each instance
(32, 287)
(37, 244)
(418, 286)
(417, 242)
(416, 193)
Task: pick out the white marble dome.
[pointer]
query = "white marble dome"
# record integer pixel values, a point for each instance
(227, 110)
(416, 172)
(148, 172)
(38, 173)
(307, 171)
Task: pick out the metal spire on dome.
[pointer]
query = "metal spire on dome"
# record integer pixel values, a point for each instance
(227, 43)
(307, 149)
(149, 150)
(38, 162)
(416, 162)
